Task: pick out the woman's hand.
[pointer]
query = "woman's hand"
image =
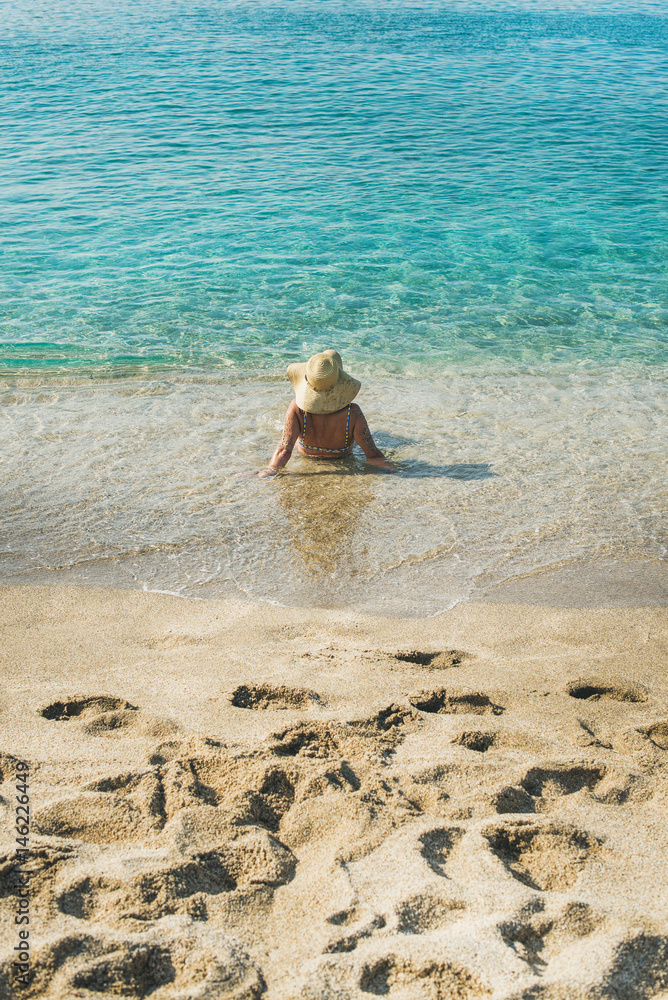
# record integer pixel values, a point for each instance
(383, 463)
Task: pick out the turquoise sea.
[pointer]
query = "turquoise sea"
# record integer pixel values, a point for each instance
(468, 199)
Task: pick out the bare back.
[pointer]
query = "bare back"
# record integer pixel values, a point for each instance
(325, 435)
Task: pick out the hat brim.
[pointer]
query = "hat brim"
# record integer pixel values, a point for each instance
(341, 393)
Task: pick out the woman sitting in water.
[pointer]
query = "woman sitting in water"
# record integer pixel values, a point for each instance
(322, 420)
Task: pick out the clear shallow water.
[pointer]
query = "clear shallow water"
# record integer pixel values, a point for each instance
(467, 200)
(501, 474)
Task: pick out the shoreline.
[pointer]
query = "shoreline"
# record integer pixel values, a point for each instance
(576, 584)
(351, 797)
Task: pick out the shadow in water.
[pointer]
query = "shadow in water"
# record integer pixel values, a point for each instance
(385, 440)
(460, 470)
(323, 517)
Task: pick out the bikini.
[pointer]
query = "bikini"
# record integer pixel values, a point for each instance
(329, 451)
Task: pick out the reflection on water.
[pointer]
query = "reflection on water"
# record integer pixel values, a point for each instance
(325, 507)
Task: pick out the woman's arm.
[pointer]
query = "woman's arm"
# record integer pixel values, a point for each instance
(281, 456)
(362, 436)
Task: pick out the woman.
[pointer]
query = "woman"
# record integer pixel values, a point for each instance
(322, 421)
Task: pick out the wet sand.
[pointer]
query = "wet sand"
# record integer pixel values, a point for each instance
(241, 800)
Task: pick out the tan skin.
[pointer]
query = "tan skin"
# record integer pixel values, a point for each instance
(327, 430)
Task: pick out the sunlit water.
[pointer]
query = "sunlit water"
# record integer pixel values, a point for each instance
(468, 200)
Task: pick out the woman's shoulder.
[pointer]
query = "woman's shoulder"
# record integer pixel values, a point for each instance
(293, 415)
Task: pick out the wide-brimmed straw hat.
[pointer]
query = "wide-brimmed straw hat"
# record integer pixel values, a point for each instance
(321, 385)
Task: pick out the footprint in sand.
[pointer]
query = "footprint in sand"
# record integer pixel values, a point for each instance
(305, 740)
(438, 660)
(589, 737)
(256, 789)
(376, 735)
(399, 977)
(46, 865)
(386, 728)
(124, 807)
(260, 791)
(538, 936)
(83, 707)
(450, 702)
(657, 734)
(543, 856)
(426, 912)
(106, 715)
(135, 807)
(394, 716)
(270, 697)
(152, 887)
(349, 942)
(637, 969)
(475, 740)
(552, 780)
(437, 845)
(594, 689)
(131, 723)
(511, 799)
(167, 888)
(179, 959)
(641, 959)
(549, 782)
(541, 785)
(94, 817)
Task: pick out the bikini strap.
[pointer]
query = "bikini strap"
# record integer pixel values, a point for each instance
(314, 447)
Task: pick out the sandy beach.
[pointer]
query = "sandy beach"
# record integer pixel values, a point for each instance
(243, 801)
(334, 734)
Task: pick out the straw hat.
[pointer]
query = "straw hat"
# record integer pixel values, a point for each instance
(321, 385)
